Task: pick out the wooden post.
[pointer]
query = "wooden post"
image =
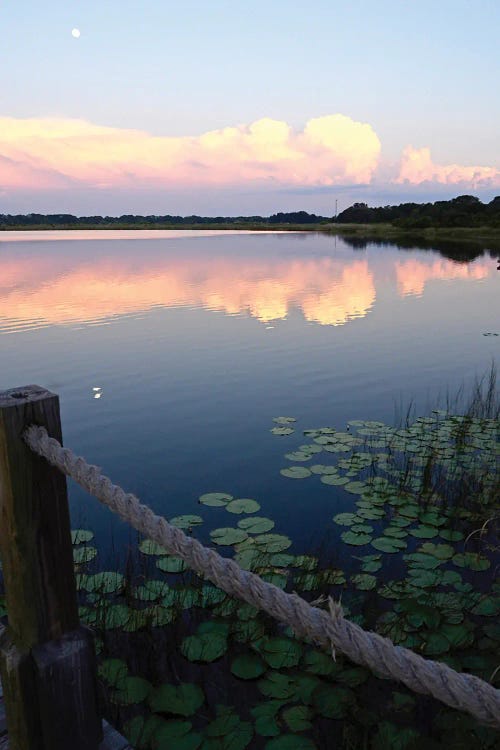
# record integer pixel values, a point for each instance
(47, 660)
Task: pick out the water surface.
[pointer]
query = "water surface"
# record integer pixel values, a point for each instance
(172, 352)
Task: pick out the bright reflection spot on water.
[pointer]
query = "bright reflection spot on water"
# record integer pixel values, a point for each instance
(75, 33)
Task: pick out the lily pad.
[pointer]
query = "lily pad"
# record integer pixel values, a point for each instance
(204, 647)
(364, 581)
(280, 652)
(181, 700)
(284, 420)
(80, 536)
(83, 555)
(148, 547)
(228, 536)
(215, 499)
(388, 544)
(295, 472)
(171, 564)
(345, 519)
(281, 431)
(272, 543)
(357, 539)
(243, 505)
(248, 666)
(256, 525)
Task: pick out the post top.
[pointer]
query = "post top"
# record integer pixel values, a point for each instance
(24, 394)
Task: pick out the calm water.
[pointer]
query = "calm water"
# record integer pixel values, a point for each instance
(196, 340)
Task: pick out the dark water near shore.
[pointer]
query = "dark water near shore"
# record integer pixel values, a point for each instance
(195, 341)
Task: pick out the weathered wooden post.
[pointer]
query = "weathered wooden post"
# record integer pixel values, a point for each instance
(47, 659)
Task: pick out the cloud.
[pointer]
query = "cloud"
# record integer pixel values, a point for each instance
(417, 167)
(330, 150)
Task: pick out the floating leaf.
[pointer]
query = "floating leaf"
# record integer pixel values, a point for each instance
(277, 685)
(228, 536)
(204, 647)
(424, 532)
(334, 480)
(298, 718)
(106, 582)
(170, 564)
(295, 472)
(388, 544)
(243, 505)
(358, 539)
(284, 420)
(440, 551)
(83, 555)
(183, 700)
(280, 652)
(256, 525)
(471, 560)
(131, 690)
(345, 519)
(79, 536)
(281, 431)
(364, 582)
(332, 701)
(113, 671)
(272, 543)
(215, 499)
(248, 666)
(148, 547)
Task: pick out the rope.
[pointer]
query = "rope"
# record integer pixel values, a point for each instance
(329, 629)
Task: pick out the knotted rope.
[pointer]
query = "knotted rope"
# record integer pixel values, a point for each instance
(329, 629)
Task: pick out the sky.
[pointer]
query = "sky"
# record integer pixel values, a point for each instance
(240, 108)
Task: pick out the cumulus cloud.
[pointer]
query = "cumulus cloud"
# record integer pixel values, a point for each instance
(417, 167)
(330, 150)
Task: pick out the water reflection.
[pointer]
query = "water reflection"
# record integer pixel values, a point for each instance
(48, 287)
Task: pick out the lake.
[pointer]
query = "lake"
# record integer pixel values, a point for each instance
(208, 372)
(197, 340)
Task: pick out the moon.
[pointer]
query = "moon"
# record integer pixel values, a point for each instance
(75, 33)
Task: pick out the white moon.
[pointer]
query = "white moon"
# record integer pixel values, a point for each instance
(75, 33)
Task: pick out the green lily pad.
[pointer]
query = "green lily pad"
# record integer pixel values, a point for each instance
(204, 647)
(106, 582)
(284, 420)
(280, 652)
(113, 671)
(272, 543)
(277, 685)
(171, 564)
(131, 690)
(322, 469)
(298, 718)
(256, 525)
(424, 532)
(357, 539)
(471, 560)
(80, 536)
(334, 480)
(228, 536)
(248, 666)
(148, 547)
(295, 472)
(364, 581)
(181, 700)
(215, 499)
(388, 544)
(345, 519)
(332, 701)
(83, 555)
(440, 551)
(243, 505)
(281, 431)
(450, 535)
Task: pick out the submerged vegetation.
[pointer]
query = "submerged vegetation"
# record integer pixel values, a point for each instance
(413, 555)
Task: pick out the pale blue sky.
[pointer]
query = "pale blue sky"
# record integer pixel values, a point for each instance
(421, 73)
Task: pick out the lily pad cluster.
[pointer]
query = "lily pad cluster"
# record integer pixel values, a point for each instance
(406, 563)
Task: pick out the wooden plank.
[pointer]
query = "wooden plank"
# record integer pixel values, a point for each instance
(47, 661)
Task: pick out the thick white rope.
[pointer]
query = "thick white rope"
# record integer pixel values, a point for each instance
(330, 629)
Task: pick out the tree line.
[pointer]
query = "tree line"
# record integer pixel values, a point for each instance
(463, 211)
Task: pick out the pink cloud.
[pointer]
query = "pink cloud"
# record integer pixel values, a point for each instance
(329, 150)
(417, 167)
